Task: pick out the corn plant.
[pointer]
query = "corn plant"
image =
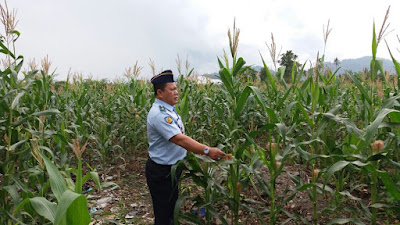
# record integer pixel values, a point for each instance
(71, 207)
(342, 130)
(29, 126)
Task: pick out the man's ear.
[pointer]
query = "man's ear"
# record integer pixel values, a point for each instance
(159, 92)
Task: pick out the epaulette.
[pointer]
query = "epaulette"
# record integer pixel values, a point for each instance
(162, 108)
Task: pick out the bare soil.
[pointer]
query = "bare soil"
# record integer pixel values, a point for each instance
(131, 202)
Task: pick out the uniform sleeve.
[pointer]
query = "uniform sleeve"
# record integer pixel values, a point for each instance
(165, 126)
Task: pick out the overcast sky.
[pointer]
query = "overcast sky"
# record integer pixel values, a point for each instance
(102, 38)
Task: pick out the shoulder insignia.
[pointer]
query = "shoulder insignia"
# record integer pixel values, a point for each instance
(162, 109)
(168, 119)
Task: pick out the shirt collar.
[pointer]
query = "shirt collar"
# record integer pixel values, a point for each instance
(166, 105)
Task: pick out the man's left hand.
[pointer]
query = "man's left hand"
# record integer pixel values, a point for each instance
(216, 154)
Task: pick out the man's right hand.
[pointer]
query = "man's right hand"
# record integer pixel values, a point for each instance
(216, 154)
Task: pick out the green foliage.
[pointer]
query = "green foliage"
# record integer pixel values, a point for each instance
(327, 122)
(71, 207)
(344, 131)
(288, 60)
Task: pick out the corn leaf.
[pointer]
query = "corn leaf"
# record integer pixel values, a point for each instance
(12, 190)
(5, 50)
(241, 101)
(57, 182)
(44, 207)
(259, 99)
(282, 100)
(374, 44)
(48, 112)
(16, 145)
(226, 79)
(178, 206)
(346, 221)
(138, 96)
(396, 66)
(184, 107)
(96, 179)
(20, 206)
(391, 187)
(280, 74)
(372, 129)
(211, 210)
(19, 65)
(334, 168)
(360, 87)
(239, 64)
(351, 127)
(305, 114)
(15, 102)
(73, 206)
(269, 76)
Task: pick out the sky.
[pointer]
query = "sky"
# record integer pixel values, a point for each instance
(100, 39)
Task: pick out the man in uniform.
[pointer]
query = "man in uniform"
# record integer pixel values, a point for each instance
(167, 145)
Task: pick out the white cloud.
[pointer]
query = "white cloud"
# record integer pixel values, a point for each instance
(104, 37)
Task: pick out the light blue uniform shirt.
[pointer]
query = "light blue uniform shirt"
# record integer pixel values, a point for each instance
(163, 122)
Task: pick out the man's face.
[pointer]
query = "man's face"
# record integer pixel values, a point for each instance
(170, 94)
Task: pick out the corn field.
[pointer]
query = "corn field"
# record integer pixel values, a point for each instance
(335, 138)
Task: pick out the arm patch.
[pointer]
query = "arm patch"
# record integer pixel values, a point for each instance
(168, 119)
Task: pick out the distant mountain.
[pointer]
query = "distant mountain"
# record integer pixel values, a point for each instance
(357, 65)
(258, 68)
(211, 75)
(215, 74)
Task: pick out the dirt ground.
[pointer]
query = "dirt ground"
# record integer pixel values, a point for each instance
(130, 202)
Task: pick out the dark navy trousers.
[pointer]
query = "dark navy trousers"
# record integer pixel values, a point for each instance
(163, 193)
